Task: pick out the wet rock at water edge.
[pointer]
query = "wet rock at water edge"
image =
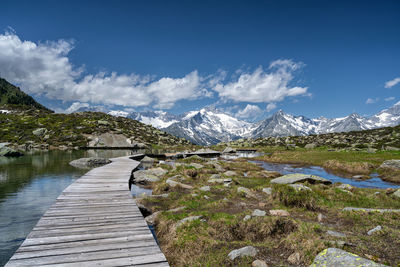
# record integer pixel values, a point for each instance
(299, 178)
(85, 163)
(9, 152)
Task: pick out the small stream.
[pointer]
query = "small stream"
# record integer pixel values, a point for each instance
(374, 182)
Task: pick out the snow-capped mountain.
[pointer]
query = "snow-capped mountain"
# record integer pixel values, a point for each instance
(210, 126)
(159, 119)
(118, 113)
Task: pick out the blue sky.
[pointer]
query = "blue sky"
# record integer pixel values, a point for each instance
(250, 58)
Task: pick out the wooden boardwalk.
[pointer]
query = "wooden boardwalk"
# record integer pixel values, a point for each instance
(94, 222)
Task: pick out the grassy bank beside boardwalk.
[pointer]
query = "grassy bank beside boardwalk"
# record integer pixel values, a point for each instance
(199, 219)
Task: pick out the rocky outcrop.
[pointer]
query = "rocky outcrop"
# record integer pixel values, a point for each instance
(338, 257)
(85, 163)
(391, 164)
(113, 140)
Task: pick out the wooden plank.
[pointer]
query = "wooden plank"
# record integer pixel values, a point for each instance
(94, 221)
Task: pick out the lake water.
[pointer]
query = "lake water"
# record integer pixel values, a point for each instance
(374, 182)
(28, 187)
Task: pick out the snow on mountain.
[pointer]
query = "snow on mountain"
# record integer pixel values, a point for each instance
(118, 113)
(158, 119)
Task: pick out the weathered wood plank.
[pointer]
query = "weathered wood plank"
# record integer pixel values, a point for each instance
(95, 221)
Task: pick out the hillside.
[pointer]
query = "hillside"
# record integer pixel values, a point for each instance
(12, 96)
(38, 128)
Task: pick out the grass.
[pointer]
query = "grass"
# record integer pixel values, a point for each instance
(222, 228)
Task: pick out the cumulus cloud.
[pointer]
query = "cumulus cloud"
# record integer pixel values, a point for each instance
(271, 85)
(75, 106)
(271, 106)
(45, 69)
(391, 83)
(372, 100)
(250, 111)
(390, 98)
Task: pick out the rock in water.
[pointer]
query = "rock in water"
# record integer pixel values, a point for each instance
(9, 152)
(85, 163)
(242, 252)
(338, 257)
(299, 178)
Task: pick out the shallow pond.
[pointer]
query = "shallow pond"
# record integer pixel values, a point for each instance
(28, 187)
(374, 182)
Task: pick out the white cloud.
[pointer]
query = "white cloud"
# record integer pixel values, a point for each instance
(391, 83)
(250, 111)
(372, 100)
(271, 106)
(45, 69)
(262, 86)
(75, 106)
(390, 98)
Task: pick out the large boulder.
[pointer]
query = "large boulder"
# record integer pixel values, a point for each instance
(299, 178)
(338, 257)
(243, 252)
(85, 163)
(144, 177)
(392, 164)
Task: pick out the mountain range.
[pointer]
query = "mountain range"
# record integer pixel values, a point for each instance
(210, 126)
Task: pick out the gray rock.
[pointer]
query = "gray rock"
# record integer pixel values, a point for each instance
(243, 252)
(177, 209)
(188, 219)
(370, 210)
(147, 159)
(220, 181)
(267, 190)
(9, 152)
(259, 263)
(376, 229)
(101, 122)
(39, 132)
(246, 191)
(151, 218)
(205, 188)
(258, 213)
(229, 150)
(335, 234)
(174, 183)
(159, 172)
(246, 218)
(393, 164)
(85, 163)
(196, 165)
(230, 173)
(310, 146)
(300, 187)
(144, 177)
(338, 257)
(397, 193)
(299, 177)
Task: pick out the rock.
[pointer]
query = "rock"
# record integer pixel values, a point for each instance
(294, 258)
(177, 209)
(39, 132)
(216, 176)
(299, 177)
(151, 218)
(345, 187)
(246, 191)
(361, 177)
(196, 157)
(188, 219)
(246, 218)
(259, 263)
(205, 188)
(392, 164)
(85, 163)
(310, 146)
(371, 150)
(300, 187)
(370, 210)
(320, 217)
(390, 191)
(335, 234)
(397, 193)
(282, 213)
(144, 177)
(376, 229)
(101, 122)
(220, 181)
(338, 257)
(173, 183)
(267, 190)
(243, 252)
(229, 150)
(159, 172)
(391, 148)
(206, 197)
(230, 173)
(9, 152)
(147, 159)
(258, 213)
(270, 174)
(196, 165)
